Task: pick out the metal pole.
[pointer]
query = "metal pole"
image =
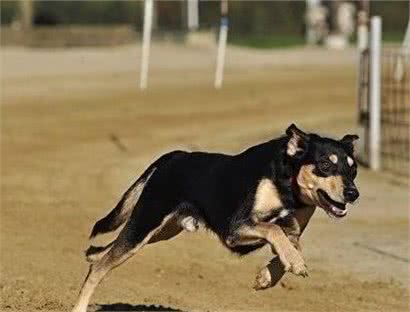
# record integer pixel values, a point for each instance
(406, 41)
(223, 36)
(362, 77)
(311, 36)
(362, 25)
(193, 18)
(26, 11)
(146, 43)
(375, 88)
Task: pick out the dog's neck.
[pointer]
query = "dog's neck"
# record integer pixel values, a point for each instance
(296, 192)
(284, 174)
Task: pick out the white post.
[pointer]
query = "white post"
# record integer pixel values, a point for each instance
(26, 14)
(223, 36)
(406, 41)
(362, 32)
(146, 42)
(375, 91)
(363, 108)
(311, 35)
(193, 18)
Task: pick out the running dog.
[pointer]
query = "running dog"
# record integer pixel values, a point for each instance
(264, 195)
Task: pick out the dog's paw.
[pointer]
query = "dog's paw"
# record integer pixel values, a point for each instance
(263, 280)
(293, 262)
(300, 269)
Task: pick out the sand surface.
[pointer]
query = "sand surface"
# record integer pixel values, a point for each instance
(76, 131)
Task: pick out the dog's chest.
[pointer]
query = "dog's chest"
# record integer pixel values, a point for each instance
(267, 205)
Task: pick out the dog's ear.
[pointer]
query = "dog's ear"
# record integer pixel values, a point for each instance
(348, 141)
(298, 142)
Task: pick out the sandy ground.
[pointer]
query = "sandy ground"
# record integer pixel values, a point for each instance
(61, 170)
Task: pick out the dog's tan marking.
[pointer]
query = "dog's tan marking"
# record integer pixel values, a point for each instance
(309, 183)
(293, 147)
(134, 195)
(333, 186)
(131, 198)
(350, 161)
(333, 158)
(266, 200)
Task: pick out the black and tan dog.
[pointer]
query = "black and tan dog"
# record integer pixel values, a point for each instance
(264, 195)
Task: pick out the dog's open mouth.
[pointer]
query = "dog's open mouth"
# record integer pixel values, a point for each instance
(332, 207)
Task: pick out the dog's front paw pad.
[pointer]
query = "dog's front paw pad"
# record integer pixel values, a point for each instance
(263, 280)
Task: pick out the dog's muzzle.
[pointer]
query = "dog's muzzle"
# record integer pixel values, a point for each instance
(332, 207)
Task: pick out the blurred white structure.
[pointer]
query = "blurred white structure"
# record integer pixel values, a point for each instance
(223, 36)
(341, 17)
(193, 23)
(193, 14)
(362, 78)
(315, 20)
(146, 43)
(406, 41)
(346, 19)
(375, 93)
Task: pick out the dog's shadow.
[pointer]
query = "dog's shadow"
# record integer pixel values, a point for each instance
(133, 308)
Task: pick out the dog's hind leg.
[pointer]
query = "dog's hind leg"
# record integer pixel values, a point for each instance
(171, 228)
(136, 233)
(95, 253)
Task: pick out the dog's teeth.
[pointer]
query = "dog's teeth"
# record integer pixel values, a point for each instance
(338, 211)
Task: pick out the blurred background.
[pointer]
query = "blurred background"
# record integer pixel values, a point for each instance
(251, 22)
(82, 116)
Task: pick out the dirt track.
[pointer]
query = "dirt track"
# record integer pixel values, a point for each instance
(63, 114)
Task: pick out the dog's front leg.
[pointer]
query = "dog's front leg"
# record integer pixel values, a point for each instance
(291, 228)
(273, 234)
(270, 275)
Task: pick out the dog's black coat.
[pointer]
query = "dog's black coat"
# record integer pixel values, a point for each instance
(220, 189)
(217, 189)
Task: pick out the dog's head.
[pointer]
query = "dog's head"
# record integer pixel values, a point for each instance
(326, 170)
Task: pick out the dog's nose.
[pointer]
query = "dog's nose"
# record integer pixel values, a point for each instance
(351, 194)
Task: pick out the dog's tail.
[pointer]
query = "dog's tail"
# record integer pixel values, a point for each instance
(122, 211)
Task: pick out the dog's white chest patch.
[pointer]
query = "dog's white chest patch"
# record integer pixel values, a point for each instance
(267, 200)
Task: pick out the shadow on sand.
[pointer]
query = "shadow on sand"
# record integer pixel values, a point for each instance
(133, 308)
